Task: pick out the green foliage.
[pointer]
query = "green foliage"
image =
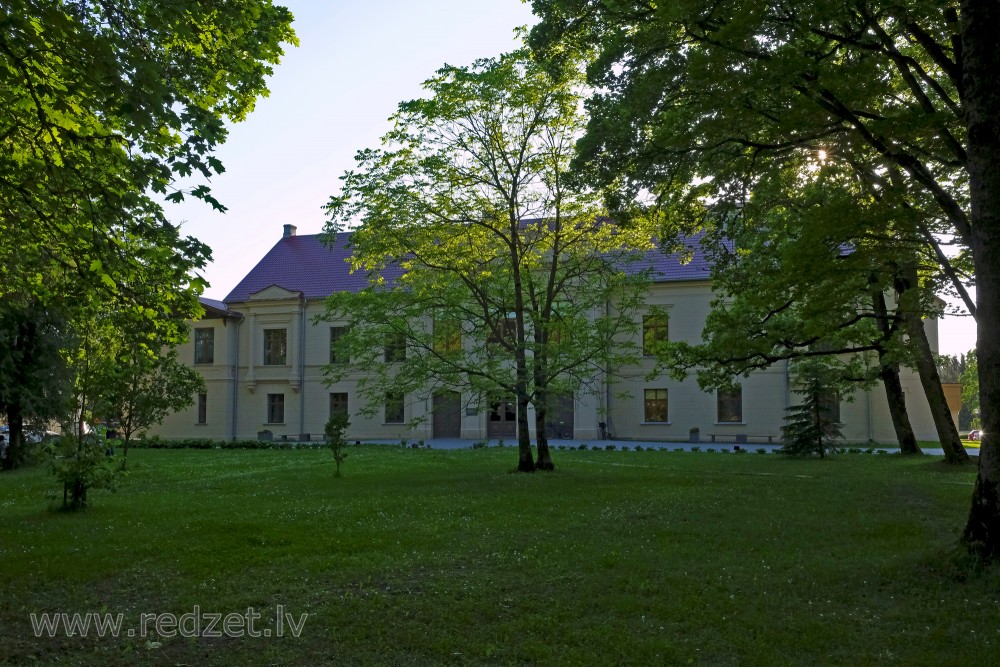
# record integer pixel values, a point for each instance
(334, 430)
(811, 427)
(970, 387)
(480, 254)
(81, 463)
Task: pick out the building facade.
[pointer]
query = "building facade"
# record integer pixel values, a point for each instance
(263, 349)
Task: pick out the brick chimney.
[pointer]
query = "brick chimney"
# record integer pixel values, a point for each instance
(289, 231)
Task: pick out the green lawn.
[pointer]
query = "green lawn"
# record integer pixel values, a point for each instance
(427, 557)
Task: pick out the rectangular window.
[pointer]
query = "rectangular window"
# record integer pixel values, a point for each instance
(336, 333)
(655, 405)
(395, 347)
(655, 332)
(338, 404)
(204, 346)
(447, 336)
(275, 408)
(730, 405)
(507, 335)
(202, 408)
(275, 347)
(394, 408)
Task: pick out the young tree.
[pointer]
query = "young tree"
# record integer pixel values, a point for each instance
(724, 90)
(812, 426)
(141, 385)
(486, 265)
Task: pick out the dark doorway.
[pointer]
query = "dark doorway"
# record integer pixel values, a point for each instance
(501, 422)
(447, 414)
(559, 418)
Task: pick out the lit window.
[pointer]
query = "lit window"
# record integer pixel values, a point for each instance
(655, 405)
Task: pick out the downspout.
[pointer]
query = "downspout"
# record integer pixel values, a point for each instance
(302, 369)
(236, 380)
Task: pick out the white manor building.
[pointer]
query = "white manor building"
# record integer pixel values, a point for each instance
(262, 355)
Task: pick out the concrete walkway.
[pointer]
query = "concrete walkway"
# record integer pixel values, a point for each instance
(458, 443)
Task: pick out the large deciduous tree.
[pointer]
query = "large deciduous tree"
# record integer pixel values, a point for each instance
(495, 274)
(903, 92)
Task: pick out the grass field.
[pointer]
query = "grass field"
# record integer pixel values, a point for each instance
(427, 557)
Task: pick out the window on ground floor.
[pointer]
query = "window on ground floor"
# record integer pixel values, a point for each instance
(275, 408)
(730, 405)
(394, 408)
(655, 405)
(203, 408)
(338, 404)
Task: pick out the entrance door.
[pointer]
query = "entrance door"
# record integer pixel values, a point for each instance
(447, 414)
(559, 418)
(502, 420)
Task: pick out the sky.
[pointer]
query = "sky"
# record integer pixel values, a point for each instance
(332, 96)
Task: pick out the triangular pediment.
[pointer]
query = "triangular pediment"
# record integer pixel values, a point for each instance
(274, 293)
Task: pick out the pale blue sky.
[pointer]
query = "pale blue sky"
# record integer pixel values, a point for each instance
(331, 97)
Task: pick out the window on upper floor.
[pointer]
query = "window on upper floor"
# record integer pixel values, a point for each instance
(395, 347)
(655, 332)
(204, 346)
(275, 347)
(730, 405)
(337, 356)
(447, 336)
(655, 406)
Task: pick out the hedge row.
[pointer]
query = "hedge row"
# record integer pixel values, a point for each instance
(205, 443)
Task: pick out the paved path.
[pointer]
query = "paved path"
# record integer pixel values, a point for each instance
(458, 443)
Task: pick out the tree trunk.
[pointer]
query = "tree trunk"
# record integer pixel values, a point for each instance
(15, 455)
(544, 457)
(951, 443)
(980, 61)
(889, 374)
(525, 459)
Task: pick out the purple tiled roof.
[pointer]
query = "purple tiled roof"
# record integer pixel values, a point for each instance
(304, 264)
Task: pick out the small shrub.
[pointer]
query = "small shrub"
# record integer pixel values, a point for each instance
(595, 448)
(854, 450)
(581, 447)
(479, 444)
(624, 448)
(695, 449)
(741, 451)
(500, 444)
(609, 448)
(710, 450)
(761, 450)
(638, 448)
(81, 465)
(335, 428)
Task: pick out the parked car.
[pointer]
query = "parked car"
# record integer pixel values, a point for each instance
(975, 435)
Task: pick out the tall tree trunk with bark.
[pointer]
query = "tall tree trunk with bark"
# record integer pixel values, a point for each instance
(980, 62)
(889, 374)
(951, 442)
